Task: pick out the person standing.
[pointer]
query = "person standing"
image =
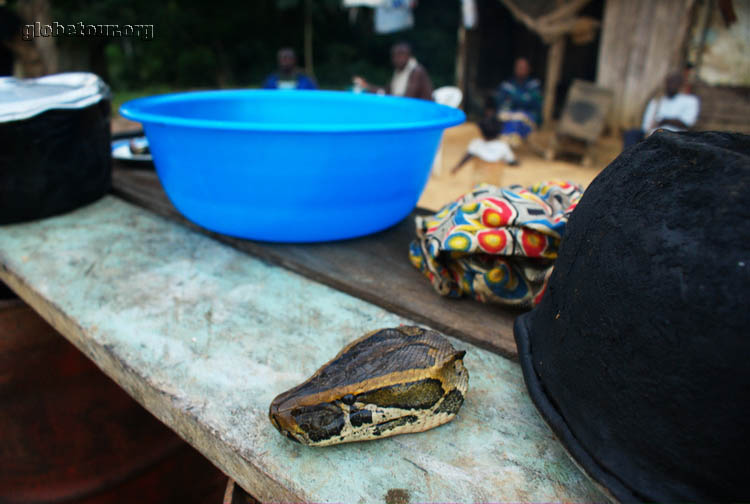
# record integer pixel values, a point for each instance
(288, 76)
(409, 79)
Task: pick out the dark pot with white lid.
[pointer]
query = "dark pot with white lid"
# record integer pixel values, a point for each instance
(55, 152)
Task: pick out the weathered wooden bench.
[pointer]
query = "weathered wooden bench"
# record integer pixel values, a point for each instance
(204, 335)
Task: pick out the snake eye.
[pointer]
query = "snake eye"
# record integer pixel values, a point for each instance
(348, 399)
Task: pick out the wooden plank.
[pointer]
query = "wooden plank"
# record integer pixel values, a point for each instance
(204, 336)
(375, 268)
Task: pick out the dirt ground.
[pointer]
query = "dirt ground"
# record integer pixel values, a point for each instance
(444, 187)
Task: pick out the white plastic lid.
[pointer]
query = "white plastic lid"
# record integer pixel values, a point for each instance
(24, 98)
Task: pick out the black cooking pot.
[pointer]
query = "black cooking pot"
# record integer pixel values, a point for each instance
(637, 356)
(54, 145)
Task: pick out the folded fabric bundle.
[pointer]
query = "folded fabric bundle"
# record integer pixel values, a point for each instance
(495, 244)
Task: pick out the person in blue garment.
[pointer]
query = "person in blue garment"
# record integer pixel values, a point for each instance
(288, 75)
(519, 102)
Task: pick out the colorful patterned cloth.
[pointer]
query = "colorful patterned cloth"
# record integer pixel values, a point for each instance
(495, 244)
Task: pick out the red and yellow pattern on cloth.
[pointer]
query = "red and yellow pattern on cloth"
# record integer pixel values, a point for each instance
(495, 244)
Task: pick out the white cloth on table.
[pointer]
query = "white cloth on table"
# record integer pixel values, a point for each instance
(491, 151)
(684, 107)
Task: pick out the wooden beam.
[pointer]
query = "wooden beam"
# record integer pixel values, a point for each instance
(520, 15)
(461, 59)
(473, 95)
(552, 25)
(563, 11)
(706, 25)
(467, 64)
(555, 55)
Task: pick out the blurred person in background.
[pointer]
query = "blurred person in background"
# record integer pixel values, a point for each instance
(288, 76)
(489, 147)
(519, 102)
(674, 111)
(409, 79)
(688, 78)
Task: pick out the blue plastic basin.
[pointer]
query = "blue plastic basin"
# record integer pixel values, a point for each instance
(292, 166)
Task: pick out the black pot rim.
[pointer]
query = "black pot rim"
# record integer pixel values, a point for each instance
(607, 482)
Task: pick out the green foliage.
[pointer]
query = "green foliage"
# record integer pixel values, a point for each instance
(228, 44)
(121, 96)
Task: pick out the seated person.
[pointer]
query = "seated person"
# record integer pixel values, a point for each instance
(688, 78)
(410, 79)
(288, 75)
(488, 148)
(520, 103)
(675, 111)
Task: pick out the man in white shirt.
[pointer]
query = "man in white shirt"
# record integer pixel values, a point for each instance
(410, 79)
(674, 111)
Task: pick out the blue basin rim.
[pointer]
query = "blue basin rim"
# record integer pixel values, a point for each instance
(138, 110)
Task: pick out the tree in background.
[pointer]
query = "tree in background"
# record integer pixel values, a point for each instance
(226, 44)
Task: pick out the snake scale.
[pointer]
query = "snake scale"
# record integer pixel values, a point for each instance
(388, 382)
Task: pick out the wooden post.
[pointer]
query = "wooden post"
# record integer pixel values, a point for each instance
(704, 36)
(461, 59)
(309, 39)
(555, 55)
(472, 68)
(467, 63)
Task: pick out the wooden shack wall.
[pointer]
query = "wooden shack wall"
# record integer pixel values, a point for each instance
(641, 42)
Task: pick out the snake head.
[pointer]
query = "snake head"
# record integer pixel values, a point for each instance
(307, 424)
(388, 382)
(283, 424)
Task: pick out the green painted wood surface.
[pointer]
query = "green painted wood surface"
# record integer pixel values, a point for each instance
(205, 336)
